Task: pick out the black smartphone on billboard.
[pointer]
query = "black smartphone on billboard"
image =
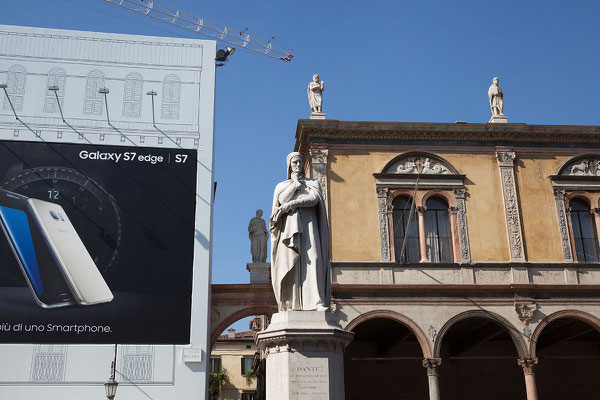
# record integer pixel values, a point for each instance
(42, 272)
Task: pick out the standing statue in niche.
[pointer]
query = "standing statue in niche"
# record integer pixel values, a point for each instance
(300, 268)
(496, 98)
(257, 231)
(315, 94)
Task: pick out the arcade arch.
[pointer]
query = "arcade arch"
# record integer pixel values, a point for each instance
(479, 352)
(566, 347)
(385, 358)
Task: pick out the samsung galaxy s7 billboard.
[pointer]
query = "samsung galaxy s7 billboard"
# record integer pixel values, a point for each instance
(97, 243)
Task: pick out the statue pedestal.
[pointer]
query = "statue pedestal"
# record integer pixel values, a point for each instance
(317, 115)
(305, 356)
(498, 119)
(259, 272)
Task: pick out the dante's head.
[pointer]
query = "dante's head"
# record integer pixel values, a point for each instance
(316, 78)
(259, 213)
(496, 80)
(294, 164)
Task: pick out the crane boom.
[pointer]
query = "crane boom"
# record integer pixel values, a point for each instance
(204, 27)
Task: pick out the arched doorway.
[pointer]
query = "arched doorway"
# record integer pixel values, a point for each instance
(236, 367)
(568, 353)
(479, 353)
(385, 359)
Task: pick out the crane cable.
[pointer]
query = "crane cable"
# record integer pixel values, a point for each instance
(412, 208)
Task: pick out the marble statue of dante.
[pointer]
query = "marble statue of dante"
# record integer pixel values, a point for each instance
(257, 231)
(496, 98)
(315, 94)
(300, 268)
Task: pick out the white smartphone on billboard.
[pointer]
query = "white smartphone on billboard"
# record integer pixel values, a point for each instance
(86, 282)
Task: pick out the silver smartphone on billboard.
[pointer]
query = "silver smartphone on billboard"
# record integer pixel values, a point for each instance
(42, 272)
(86, 282)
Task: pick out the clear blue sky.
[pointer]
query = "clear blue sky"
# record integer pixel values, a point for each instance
(426, 61)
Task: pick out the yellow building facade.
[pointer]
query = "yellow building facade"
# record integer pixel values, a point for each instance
(234, 354)
(468, 249)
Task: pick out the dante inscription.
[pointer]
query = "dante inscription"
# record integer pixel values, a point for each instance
(310, 380)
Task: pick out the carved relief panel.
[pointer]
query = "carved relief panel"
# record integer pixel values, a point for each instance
(511, 205)
(318, 168)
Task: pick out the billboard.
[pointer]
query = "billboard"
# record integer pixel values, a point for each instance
(97, 243)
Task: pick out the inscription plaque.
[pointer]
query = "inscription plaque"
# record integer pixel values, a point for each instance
(309, 379)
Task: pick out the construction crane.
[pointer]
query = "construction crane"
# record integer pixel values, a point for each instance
(204, 27)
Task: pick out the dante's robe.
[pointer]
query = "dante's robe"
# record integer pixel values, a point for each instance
(300, 270)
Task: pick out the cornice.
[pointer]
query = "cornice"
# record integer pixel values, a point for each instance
(334, 130)
(472, 289)
(475, 264)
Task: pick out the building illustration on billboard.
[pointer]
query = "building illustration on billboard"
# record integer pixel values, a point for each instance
(106, 190)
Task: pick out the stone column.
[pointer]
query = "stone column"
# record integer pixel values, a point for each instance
(563, 224)
(422, 237)
(452, 216)
(384, 231)
(305, 356)
(511, 205)
(528, 364)
(432, 365)
(596, 214)
(461, 218)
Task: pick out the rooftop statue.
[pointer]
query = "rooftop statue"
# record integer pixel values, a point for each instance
(496, 98)
(315, 94)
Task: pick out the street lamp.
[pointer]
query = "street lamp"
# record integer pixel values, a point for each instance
(111, 384)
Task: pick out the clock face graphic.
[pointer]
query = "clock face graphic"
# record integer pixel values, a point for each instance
(92, 210)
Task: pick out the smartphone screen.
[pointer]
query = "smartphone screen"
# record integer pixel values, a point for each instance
(36, 260)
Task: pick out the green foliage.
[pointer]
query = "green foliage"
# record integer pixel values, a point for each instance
(249, 375)
(216, 380)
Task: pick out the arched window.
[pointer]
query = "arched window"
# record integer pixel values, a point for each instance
(93, 100)
(132, 98)
(585, 236)
(401, 211)
(15, 87)
(56, 77)
(171, 97)
(437, 230)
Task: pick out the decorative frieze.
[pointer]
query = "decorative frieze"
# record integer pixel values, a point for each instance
(384, 232)
(511, 205)
(563, 224)
(411, 165)
(463, 232)
(583, 167)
